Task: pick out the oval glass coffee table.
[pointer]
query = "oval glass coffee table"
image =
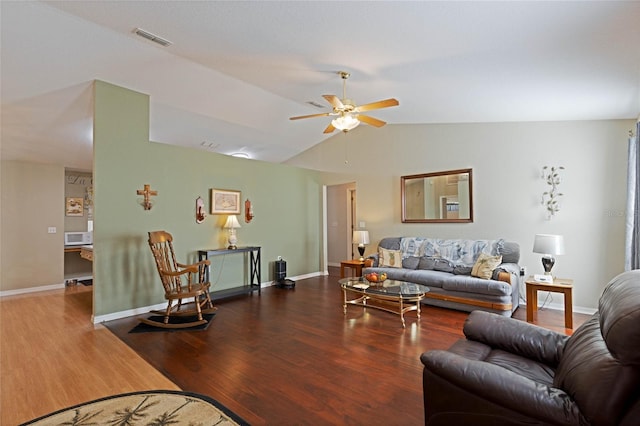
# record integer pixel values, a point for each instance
(393, 296)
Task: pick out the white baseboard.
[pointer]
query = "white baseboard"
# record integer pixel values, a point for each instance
(128, 313)
(31, 289)
(560, 307)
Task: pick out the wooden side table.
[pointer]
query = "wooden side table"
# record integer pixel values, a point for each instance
(354, 264)
(559, 285)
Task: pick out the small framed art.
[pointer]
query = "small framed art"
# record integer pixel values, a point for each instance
(225, 201)
(74, 206)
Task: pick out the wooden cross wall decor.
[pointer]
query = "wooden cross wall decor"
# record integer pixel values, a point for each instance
(147, 192)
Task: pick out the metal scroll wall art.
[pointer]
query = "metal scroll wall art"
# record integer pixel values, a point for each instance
(551, 197)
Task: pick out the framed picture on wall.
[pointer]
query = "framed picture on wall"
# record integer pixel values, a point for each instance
(224, 201)
(74, 206)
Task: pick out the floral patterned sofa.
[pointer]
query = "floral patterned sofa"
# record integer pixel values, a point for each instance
(465, 275)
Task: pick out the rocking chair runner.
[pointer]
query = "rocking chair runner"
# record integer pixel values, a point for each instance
(173, 276)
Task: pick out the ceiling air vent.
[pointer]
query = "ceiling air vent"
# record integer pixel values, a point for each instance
(154, 38)
(315, 104)
(211, 146)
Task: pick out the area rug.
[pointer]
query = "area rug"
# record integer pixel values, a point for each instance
(145, 328)
(158, 407)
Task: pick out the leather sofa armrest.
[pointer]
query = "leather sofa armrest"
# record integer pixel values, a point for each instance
(502, 387)
(515, 336)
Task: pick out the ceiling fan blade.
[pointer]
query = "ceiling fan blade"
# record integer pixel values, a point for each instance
(334, 101)
(329, 128)
(377, 105)
(371, 121)
(324, 114)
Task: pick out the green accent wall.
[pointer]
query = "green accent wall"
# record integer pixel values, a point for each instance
(287, 204)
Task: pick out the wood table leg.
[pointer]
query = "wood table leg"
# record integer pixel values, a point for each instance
(568, 309)
(341, 271)
(532, 301)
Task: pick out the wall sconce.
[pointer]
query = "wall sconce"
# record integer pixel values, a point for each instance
(232, 224)
(551, 198)
(147, 192)
(200, 215)
(248, 211)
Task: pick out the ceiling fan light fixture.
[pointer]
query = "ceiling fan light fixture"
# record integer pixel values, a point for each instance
(345, 122)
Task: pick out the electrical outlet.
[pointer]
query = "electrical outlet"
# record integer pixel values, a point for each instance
(52, 230)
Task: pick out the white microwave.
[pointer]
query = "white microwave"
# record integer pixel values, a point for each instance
(78, 238)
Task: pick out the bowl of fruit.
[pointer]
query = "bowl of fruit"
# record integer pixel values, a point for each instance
(376, 277)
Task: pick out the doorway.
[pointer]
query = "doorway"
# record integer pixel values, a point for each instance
(340, 221)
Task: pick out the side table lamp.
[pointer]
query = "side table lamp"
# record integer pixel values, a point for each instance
(361, 238)
(549, 246)
(231, 224)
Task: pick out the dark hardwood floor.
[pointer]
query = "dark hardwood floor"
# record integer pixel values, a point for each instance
(290, 356)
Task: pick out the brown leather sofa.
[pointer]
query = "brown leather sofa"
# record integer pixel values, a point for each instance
(509, 372)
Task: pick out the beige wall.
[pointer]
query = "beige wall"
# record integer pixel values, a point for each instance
(32, 201)
(506, 159)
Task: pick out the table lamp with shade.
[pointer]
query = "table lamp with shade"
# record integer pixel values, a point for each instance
(549, 246)
(361, 238)
(231, 224)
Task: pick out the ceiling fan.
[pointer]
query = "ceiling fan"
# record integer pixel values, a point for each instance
(349, 115)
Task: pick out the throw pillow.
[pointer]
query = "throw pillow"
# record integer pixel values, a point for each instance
(389, 258)
(484, 266)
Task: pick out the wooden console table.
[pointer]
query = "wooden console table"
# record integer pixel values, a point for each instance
(254, 270)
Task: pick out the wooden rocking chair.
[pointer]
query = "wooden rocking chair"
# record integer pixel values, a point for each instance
(179, 283)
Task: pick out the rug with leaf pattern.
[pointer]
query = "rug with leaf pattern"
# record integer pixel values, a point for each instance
(155, 408)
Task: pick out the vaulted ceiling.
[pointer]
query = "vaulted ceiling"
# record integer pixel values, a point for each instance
(236, 71)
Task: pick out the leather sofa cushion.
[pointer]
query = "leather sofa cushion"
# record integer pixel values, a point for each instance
(620, 317)
(588, 372)
(476, 351)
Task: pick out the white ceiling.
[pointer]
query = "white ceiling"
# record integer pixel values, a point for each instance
(236, 71)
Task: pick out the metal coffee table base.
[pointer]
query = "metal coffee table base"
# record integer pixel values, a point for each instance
(396, 304)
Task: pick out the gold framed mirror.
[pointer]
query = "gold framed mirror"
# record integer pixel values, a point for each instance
(440, 197)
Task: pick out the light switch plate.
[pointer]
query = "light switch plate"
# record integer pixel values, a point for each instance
(52, 230)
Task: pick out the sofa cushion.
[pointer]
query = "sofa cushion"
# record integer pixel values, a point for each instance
(389, 258)
(510, 252)
(485, 265)
(462, 270)
(442, 265)
(410, 262)
(390, 243)
(426, 263)
(429, 278)
(469, 284)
